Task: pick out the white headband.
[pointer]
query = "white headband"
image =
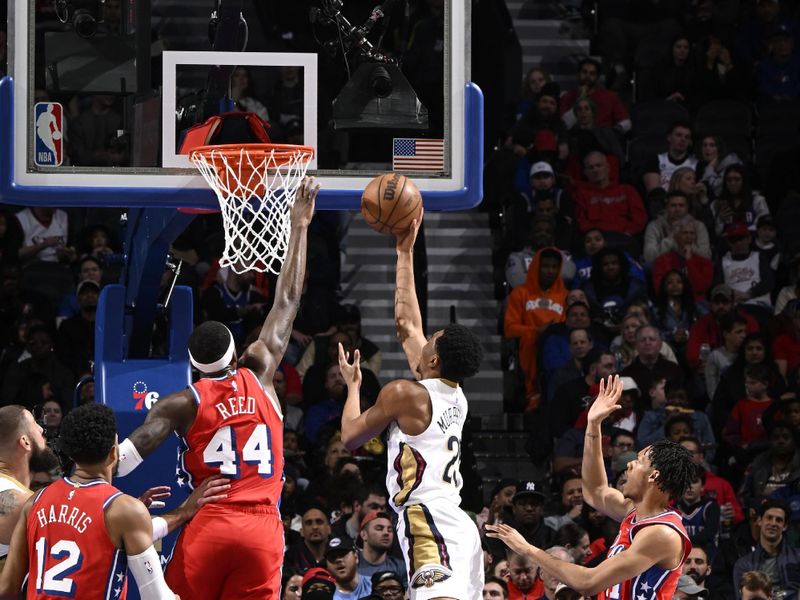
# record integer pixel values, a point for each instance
(217, 365)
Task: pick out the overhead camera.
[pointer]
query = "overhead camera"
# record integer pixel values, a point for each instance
(377, 94)
(83, 15)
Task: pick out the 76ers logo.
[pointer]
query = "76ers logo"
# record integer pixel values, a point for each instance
(144, 399)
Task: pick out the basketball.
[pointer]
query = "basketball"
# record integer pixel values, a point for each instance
(390, 203)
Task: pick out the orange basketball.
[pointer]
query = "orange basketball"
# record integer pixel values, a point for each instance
(390, 202)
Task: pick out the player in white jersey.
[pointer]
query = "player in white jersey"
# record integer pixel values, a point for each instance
(441, 544)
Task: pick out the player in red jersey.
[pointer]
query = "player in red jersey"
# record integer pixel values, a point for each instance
(230, 422)
(78, 537)
(645, 561)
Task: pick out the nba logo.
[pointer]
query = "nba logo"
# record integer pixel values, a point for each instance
(48, 132)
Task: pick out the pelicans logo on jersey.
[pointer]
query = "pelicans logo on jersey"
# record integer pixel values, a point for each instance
(430, 575)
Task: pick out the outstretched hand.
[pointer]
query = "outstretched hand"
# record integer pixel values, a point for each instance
(304, 200)
(607, 401)
(153, 497)
(510, 536)
(211, 490)
(404, 241)
(350, 372)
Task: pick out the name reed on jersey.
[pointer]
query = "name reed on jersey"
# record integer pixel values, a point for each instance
(236, 405)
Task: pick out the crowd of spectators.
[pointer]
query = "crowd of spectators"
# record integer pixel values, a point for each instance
(637, 235)
(639, 231)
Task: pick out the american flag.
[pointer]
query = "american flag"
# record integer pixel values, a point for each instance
(410, 154)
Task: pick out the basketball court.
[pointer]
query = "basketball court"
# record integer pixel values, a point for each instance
(346, 86)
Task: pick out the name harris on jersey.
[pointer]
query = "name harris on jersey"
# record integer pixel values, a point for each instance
(449, 417)
(68, 515)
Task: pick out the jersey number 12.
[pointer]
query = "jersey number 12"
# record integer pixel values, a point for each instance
(257, 450)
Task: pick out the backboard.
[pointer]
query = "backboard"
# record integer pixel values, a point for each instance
(101, 92)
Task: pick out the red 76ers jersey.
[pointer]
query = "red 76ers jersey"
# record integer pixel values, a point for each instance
(69, 552)
(655, 583)
(238, 432)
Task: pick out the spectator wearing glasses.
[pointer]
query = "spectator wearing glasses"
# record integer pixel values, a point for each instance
(389, 586)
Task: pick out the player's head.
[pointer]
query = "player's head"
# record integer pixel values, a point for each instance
(453, 353)
(211, 348)
(22, 438)
(88, 435)
(664, 469)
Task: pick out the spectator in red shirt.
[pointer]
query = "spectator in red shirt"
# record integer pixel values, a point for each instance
(786, 347)
(706, 330)
(745, 424)
(699, 269)
(611, 111)
(615, 209)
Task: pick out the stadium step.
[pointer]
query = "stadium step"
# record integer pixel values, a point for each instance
(459, 281)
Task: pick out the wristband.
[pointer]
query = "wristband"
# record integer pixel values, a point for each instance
(160, 528)
(129, 458)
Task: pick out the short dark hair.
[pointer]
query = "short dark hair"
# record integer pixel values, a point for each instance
(674, 465)
(758, 372)
(90, 258)
(679, 123)
(589, 61)
(209, 342)
(503, 585)
(577, 304)
(592, 358)
(11, 420)
(729, 321)
(88, 434)
(775, 503)
(675, 194)
(569, 534)
(460, 352)
(618, 432)
(679, 418)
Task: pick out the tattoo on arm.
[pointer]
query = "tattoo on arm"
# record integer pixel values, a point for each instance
(9, 502)
(148, 436)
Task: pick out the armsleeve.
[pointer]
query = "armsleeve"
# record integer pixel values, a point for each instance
(766, 277)
(146, 570)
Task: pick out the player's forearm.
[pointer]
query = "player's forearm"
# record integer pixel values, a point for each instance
(593, 471)
(350, 415)
(577, 577)
(407, 316)
(148, 436)
(289, 287)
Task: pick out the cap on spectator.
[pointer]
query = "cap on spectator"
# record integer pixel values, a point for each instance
(766, 221)
(381, 576)
(529, 488)
(620, 463)
(504, 483)
(629, 384)
(687, 585)
(372, 515)
(318, 575)
(722, 290)
(736, 230)
(86, 283)
(541, 167)
(339, 545)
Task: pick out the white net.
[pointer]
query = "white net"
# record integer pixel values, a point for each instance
(256, 187)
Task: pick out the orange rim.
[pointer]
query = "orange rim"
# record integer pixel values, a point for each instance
(282, 154)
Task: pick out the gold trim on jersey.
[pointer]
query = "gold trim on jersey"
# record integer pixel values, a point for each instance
(410, 467)
(22, 487)
(426, 546)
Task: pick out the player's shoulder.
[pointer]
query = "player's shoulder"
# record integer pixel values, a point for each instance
(125, 511)
(401, 395)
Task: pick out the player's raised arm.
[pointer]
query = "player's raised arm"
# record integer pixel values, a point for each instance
(407, 316)
(596, 490)
(265, 354)
(653, 545)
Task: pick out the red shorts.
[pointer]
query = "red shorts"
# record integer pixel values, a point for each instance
(228, 551)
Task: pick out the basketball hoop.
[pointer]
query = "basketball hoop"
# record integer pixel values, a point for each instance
(256, 186)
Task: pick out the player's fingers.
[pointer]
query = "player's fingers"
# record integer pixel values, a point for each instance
(156, 504)
(357, 358)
